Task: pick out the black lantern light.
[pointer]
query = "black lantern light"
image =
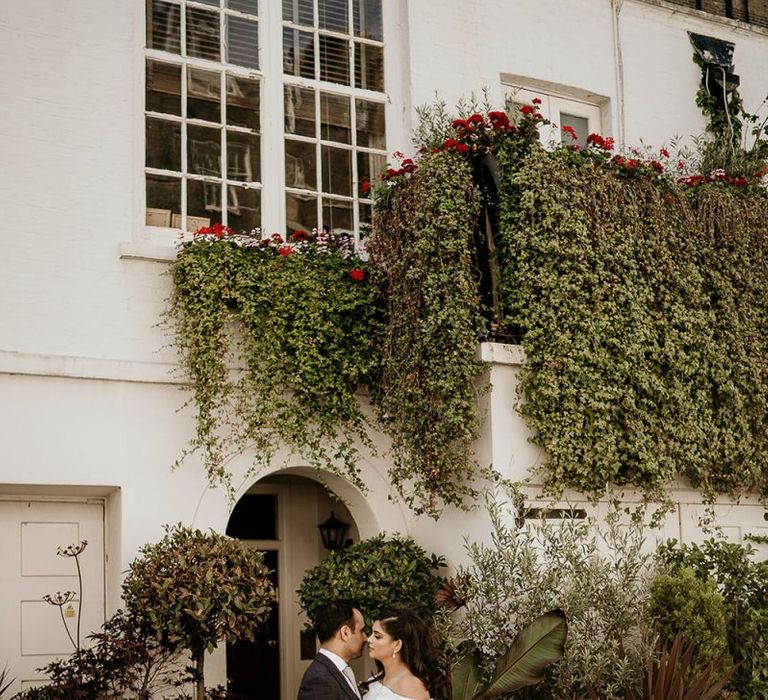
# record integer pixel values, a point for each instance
(332, 532)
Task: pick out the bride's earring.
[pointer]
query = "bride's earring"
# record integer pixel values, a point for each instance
(394, 654)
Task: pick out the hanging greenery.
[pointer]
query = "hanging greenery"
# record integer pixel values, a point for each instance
(643, 304)
(423, 224)
(275, 338)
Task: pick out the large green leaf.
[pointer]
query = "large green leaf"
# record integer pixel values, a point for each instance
(535, 647)
(465, 677)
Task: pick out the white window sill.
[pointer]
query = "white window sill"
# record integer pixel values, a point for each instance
(142, 250)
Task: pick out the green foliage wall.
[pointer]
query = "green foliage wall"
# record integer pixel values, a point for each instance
(426, 394)
(644, 311)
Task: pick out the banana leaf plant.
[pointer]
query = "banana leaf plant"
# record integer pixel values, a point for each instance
(536, 646)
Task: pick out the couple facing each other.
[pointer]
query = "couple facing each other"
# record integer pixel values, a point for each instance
(401, 645)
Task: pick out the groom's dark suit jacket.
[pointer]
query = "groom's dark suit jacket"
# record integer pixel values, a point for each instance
(323, 681)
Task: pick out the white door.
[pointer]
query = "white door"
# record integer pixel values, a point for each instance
(31, 531)
(735, 521)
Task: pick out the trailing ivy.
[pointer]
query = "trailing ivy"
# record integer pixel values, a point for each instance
(423, 225)
(644, 313)
(301, 325)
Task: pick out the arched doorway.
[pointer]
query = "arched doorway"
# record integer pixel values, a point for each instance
(279, 515)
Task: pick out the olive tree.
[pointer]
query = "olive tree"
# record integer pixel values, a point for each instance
(197, 589)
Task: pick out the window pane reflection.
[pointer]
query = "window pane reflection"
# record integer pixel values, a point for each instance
(371, 128)
(298, 53)
(243, 208)
(243, 101)
(243, 156)
(163, 144)
(337, 215)
(164, 26)
(299, 111)
(250, 6)
(337, 170)
(204, 151)
(203, 95)
(369, 67)
(334, 60)
(367, 19)
(203, 200)
(300, 168)
(370, 166)
(163, 199)
(203, 33)
(335, 118)
(579, 124)
(163, 87)
(333, 15)
(299, 12)
(301, 211)
(242, 42)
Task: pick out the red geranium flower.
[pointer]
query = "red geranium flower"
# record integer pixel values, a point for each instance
(536, 101)
(356, 274)
(462, 148)
(365, 186)
(570, 131)
(475, 119)
(664, 153)
(285, 250)
(300, 236)
(527, 109)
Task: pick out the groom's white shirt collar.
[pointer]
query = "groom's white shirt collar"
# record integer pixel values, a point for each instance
(337, 660)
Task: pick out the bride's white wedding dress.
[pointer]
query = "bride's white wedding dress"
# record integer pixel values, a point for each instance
(378, 691)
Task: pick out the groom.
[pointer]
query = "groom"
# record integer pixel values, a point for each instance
(339, 627)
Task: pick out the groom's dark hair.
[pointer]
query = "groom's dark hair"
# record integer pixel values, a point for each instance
(330, 618)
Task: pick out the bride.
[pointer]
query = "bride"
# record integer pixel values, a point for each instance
(402, 646)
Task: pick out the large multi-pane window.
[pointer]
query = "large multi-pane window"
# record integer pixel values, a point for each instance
(207, 62)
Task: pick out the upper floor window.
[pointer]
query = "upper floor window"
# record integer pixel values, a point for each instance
(583, 116)
(207, 124)
(749, 11)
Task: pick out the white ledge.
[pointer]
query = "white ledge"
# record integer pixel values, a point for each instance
(147, 251)
(72, 367)
(501, 354)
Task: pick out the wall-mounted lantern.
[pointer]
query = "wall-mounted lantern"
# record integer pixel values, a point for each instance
(333, 531)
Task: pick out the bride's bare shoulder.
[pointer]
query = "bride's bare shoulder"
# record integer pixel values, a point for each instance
(412, 687)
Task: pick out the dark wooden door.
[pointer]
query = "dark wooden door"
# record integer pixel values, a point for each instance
(253, 668)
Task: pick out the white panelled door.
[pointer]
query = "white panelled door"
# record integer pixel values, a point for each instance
(30, 533)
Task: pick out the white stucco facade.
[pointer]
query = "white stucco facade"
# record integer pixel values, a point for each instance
(89, 404)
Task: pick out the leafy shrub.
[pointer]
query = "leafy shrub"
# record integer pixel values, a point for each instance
(377, 573)
(743, 584)
(528, 570)
(683, 604)
(196, 589)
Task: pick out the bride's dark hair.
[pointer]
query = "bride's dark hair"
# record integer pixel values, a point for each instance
(418, 651)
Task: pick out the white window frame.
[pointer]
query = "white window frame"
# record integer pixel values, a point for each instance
(556, 99)
(272, 79)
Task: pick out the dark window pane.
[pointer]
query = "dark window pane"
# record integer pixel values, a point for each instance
(250, 6)
(215, 3)
(366, 213)
(254, 518)
(244, 214)
(337, 170)
(367, 19)
(203, 151)
(333, 15)
(163, 26)
(163, 87)
(243, 101)
(299, 12)
(203, 94)
(371, 128)
(337, 215)
(163, 199)
(298, 53)
(242, 42)
(300, 211)
(163, 144)
(335, 118)
(334, 60)
(299, 111)
(203, 34)
(370, 166)
(243, 156)
(300, 170)
(203, 201)
(369, 67)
